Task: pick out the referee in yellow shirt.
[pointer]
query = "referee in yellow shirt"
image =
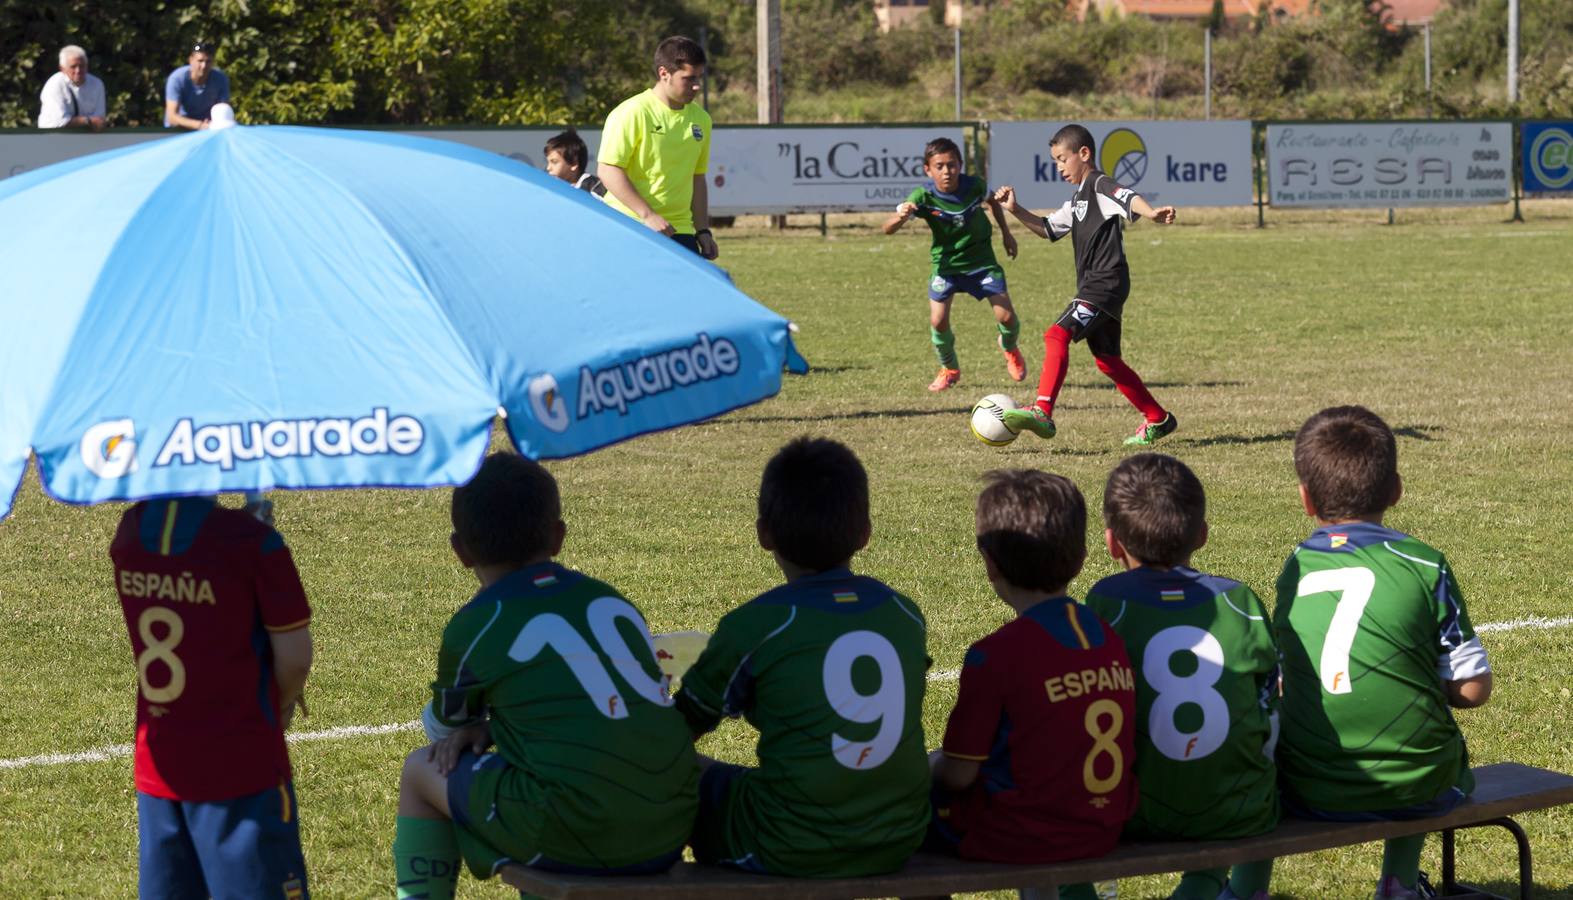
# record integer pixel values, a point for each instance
(655, 149)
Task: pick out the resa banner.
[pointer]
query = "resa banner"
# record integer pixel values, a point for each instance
(1168, 163)
(1390, 164)
(1548, 156)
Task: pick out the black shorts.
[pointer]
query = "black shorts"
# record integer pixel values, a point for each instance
(1089, 322)
(688, 241)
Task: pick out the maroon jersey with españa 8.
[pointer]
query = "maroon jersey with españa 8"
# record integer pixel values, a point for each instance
(1047, 706)
(201, 586)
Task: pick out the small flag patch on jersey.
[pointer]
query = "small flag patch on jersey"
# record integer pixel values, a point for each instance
(845, 597)
(1338, 540)
(1171, 596)
(545, 579)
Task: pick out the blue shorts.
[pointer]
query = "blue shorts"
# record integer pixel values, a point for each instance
(245, 847)
(1442, 805)
(982, 284)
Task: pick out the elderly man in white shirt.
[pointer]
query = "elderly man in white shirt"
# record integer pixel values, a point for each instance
(72, 98)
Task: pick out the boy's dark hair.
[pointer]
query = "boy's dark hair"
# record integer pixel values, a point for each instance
(571, 146)
(813, 499)
(938, 146)
(678, 51)
(1073, 138)
(1034, 526)
(1156, 507)
(508, 511)
(1347, 459)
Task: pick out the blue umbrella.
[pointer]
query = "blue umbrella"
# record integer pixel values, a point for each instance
(259, 308)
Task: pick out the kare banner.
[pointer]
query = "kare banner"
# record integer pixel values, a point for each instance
(1390, 164)
(1168, 163)
(1548, 156)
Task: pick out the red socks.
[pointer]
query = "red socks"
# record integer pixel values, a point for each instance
(1056, 358)
(1129, 383)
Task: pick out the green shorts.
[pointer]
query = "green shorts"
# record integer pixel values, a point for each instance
(499, 812)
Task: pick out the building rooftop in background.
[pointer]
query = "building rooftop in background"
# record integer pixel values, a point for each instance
(895, 13)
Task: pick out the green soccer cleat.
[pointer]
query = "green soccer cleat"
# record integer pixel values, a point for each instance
(1150, 432)
(1031, 419)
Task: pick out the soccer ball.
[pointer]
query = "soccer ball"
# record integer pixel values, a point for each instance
(988, 420)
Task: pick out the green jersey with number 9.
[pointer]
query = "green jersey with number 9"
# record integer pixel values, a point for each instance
(831, 669)
(1206, 701)
(1370, 624)
(601, 769)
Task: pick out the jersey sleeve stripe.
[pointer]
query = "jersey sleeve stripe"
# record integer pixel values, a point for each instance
(1417, 559)
(1070, 614)
(749, 655)
(166, 539)
(293, 626)
(459, 670)
(915, 617)
(1242, 612)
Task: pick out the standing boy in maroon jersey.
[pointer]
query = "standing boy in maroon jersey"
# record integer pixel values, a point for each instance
(1036, 764)
(218, 623)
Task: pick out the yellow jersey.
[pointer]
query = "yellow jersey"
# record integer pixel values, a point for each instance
(661, 149)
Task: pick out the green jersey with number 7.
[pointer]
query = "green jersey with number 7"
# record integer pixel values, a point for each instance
(1370, 624)
(1206, 701)
(831, 669)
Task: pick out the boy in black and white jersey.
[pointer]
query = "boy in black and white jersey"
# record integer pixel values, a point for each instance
(566, 156)
(1092, 218)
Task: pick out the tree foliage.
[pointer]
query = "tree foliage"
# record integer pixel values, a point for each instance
(551, 61)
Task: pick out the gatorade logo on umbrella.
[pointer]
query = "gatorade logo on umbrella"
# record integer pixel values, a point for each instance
(546, 401)
(109, 449)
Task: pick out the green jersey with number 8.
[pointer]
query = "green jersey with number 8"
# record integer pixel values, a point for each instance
(831, 669)
(1206, 701)
(1370, 624)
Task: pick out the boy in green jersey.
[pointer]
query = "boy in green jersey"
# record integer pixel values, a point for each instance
(1206, 674)
(593, 771)
(1376, 647)
(831, 668)
(952, 204)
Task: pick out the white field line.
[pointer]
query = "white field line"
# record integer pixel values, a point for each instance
(115, 751)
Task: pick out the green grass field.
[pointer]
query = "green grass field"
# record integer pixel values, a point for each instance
(1452, 325)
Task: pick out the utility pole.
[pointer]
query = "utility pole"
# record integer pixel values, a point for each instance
(768, 73)
(1208, 77)
(1512, 51)
(768, 80)
(958, 70)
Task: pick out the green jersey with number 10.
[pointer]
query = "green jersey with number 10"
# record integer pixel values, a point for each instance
(1206, 701)
(563, 669)
(1370, 624)
(831, 669)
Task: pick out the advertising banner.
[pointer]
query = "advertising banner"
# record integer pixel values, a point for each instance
(1548, 156)
(1390, 164)
(752, 170)
(785, 169)
(1168, 163)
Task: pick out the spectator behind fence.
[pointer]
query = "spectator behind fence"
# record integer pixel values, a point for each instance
(72, 98)
(193, 89)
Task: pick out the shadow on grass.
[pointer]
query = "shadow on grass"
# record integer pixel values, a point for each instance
(849, 416)
(1106, 385)
(834, 370)
(1417, 432)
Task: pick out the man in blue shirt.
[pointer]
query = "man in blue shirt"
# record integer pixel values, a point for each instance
(192, 89)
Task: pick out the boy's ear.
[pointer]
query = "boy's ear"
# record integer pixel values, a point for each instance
(1116, 549)
(989, 566)
(1305, 501)
(1201, 541)
(559, 533)
(1398, 490)
(865, 535)
(460, 551)
(1085, 153)
(767, 541)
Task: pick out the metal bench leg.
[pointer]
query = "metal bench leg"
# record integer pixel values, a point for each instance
(1526, 875)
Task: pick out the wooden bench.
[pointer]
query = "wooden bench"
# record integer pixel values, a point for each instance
(1501, 791)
